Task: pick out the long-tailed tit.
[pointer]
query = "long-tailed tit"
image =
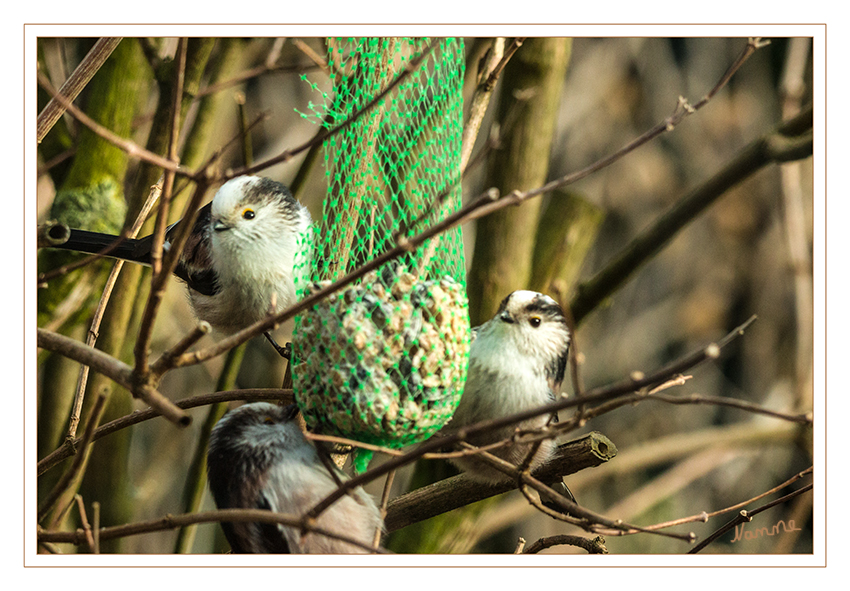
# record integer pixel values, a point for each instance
(517, 362)
(239, 257)
(259, 458)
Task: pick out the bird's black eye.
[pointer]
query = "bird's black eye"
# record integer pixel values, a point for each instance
(535, 321)
(248, 214)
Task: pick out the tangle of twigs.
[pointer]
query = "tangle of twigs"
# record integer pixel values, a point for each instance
(141, 378)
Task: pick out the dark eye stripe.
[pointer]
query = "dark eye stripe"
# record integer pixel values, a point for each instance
(546, 308)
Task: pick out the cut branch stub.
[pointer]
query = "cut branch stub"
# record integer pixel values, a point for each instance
(446, 495)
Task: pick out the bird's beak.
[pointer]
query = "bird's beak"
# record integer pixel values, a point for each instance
(506, 317)
(220, 226)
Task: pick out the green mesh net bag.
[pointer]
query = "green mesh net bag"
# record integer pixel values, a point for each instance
(384, 360)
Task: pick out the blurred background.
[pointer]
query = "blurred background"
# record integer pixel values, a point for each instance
(579, 100)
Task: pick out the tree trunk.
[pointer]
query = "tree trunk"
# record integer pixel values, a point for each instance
(528, 108)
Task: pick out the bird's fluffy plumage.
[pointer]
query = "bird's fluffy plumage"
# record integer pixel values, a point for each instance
(252, 239)
(239, 258)
(516, 362)
(259, 458)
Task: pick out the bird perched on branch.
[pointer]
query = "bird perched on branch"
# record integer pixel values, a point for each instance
(239, 257)
(517, 362)
(258, 458)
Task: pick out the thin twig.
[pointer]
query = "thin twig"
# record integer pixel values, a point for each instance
(68, 449)
(84, 521)
(96, 526)
(479, 102)
(127, 146)
(113, 369)
(163, 363)
(94, 330)
(747, 162)
(596, 395)
(493, 75)
(746, 516)
(704, 517)
(285, 156)
(161, 275)
(270, 66)
(219, 152)
(385, 499)
(75, 83)
(484, 204)
(575, 513)
(77, 465)
(314, 57)
(803, 419)
(61, 157)
(174, 521)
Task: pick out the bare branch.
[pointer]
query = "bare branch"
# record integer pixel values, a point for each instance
(75, 83)
(446, 495)
(704, 517)
(127, 146)
(496, 71)
(113, 369)
(174, 521)
(596, 395)
(77, 407)
(573, 513)
(52, 233)
(484, 204)
(803, 419)
(165, 361)
(160, 276)
(594, 546)
(287, 155)
(77, 466)
(255, 72)
(748, 161)
(85, 522)
(68, 449)
(746, 516)
(479, 102)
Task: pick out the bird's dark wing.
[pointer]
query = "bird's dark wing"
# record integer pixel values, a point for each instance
(195, 266)
(255, 538)
(555, 377)
(555, 374)
(560, 487)
(270, 534)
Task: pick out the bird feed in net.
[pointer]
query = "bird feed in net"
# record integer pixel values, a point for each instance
(383, 361)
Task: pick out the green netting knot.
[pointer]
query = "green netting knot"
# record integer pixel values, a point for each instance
(361, 459)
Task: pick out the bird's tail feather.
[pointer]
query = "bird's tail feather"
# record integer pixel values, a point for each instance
(96, 242)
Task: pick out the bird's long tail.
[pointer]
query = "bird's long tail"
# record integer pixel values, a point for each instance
(95, 242)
